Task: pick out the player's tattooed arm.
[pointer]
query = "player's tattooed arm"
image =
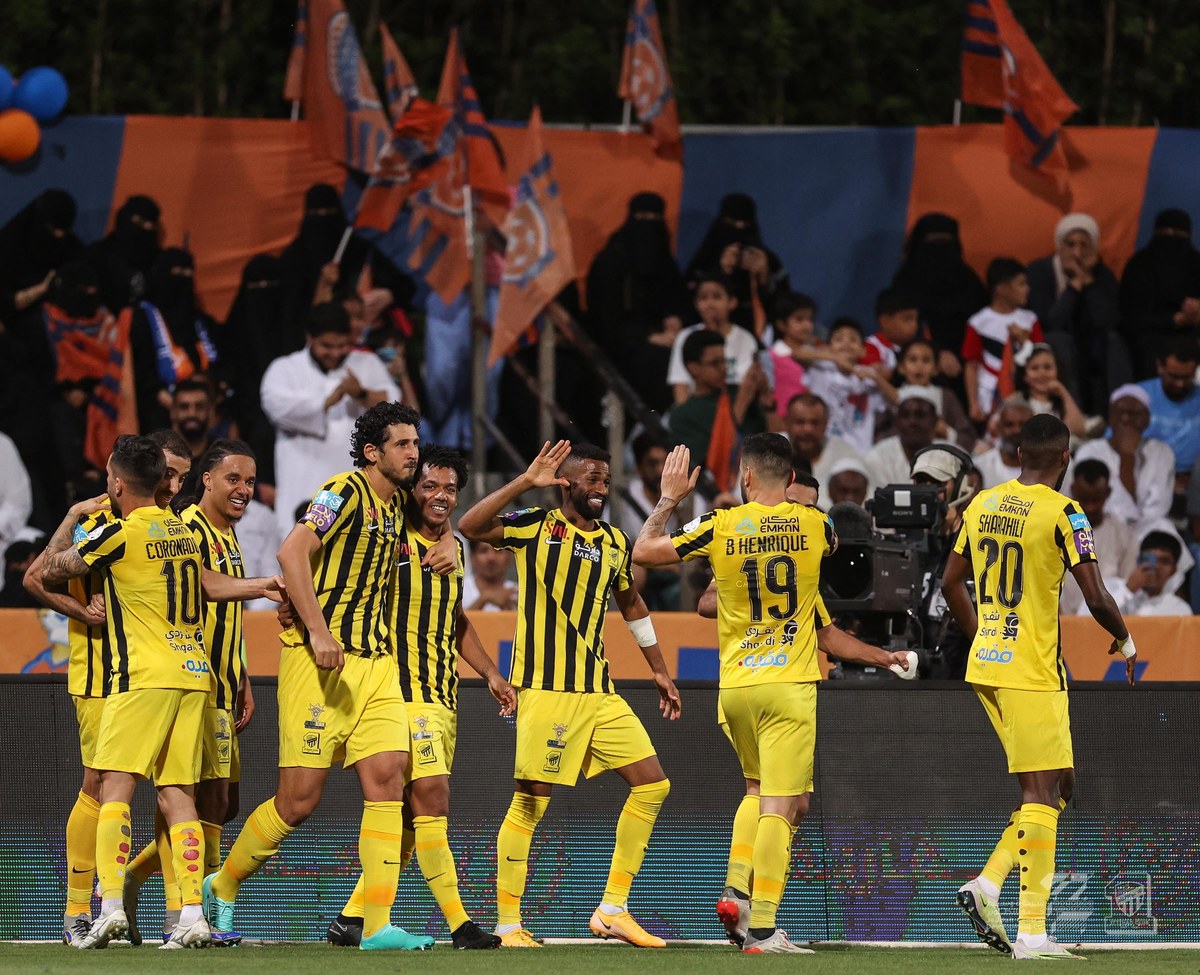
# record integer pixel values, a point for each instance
(676, 484)
(91, 614)
(62, 566)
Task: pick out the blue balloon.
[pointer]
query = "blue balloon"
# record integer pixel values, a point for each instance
(42, 92)
(6, 88)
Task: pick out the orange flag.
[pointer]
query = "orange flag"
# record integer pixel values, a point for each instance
(484, 161)
(538, 262)
(293, 82)
(344, 114)
(112, 410)
(1002, 69)
(722, 444)
(438, 232)
(399, 84)
(422, 150)
(646, 80)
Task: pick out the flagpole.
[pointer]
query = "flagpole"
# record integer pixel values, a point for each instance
(957, 111)
(479, 349)
(295, 109)
(625, 116)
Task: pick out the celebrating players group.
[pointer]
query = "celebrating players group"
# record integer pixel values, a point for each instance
(370, 598)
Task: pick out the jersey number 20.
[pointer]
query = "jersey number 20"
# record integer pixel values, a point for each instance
(1011, 559)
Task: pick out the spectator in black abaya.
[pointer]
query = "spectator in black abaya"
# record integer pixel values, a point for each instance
(250, 341)
(1160, 291)
(171, 338)
(312, 250)
(1075, 297)
(124, 258)
(947, 289)
(33, 245)
(637, 300)
(734, 247)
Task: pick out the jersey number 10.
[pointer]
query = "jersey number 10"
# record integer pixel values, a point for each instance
(188, 588)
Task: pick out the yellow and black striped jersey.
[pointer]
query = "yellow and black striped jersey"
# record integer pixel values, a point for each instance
(221, 553)
(564, 576)
(352, 569)
(422, 621)
(87, 665)
(1021, 539)
(152, 576)
(767, 565)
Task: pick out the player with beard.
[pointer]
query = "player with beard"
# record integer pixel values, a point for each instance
(339, 690)
(226, 478)
(1018, 539)
(570, 718)
(88, 666)
(430, 631)
(157, 676)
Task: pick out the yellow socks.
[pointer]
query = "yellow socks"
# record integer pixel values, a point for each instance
(772, 854)
(357, 902)
(145, 864)
(166, 862)
(187, 857)
(741, 846)
(1004, 856)
(258, 841)
(113, 834)
(633, 835)
(81, 854)
(379, 853)
(212, 847)
(437, 866)
(512, 853)
(1037, 831)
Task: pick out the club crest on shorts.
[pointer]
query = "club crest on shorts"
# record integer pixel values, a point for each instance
(426, 755)
(315, 723)
(312, 744)
(557, 740)
(421, 721)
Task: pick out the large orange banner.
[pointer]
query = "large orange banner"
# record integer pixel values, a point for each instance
(35, 642)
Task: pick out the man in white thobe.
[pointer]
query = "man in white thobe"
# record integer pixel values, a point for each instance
(313, 397)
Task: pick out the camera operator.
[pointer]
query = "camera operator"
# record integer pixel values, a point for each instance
(883, 582)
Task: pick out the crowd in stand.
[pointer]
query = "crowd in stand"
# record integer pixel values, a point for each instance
(111, 335)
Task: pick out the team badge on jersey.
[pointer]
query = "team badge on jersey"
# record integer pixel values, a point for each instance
(556, 745)
(331, 499)
(426, 755)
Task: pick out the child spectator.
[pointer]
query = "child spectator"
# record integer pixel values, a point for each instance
(1003, 325)
(897, 317)
(1040, 385)
(1145, 592)
(691, 422)
(795, 346)
(714, 303)
(917, 366)
(855, 393)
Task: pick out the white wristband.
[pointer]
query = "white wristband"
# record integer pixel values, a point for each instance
(1126, 647)
(643, 631)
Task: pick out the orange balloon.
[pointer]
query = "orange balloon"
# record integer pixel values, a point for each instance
(19, 135)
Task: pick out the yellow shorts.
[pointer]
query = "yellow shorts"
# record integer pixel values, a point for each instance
(326, 716)
(561, 733)
(87, 715)
(154, 732)
(433, 730)
(1033, 726)
(773, 730)
(220, 758)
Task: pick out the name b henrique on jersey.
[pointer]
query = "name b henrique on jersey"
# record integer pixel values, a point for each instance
(775, 534)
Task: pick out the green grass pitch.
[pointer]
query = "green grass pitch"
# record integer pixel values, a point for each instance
(571, 959)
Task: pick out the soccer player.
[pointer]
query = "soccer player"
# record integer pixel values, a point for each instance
(339, 690)
(227, 475)
(1018, 539)
(766, 557)
(430, 630)
(570, 719)
(88, 665)
(733, 908)
(153, 583)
